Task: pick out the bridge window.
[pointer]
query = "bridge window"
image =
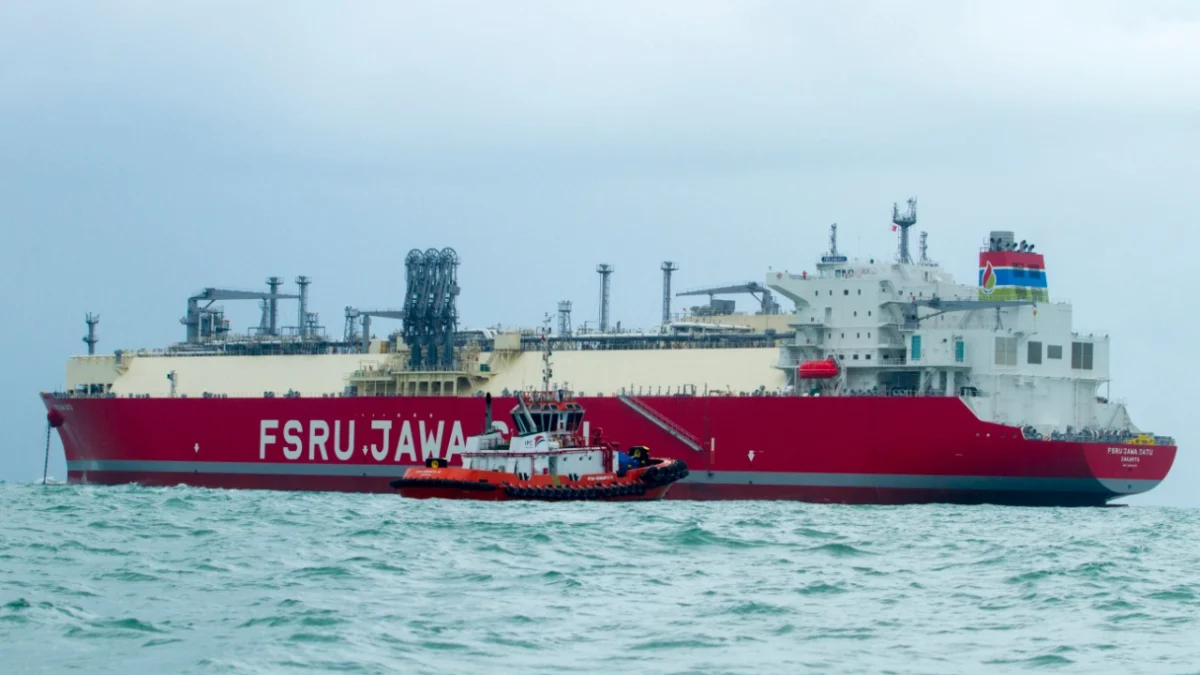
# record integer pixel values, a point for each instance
(846, 292)
(1035, 352)
(1081, 355)
(1054, 352)
(1006, 351)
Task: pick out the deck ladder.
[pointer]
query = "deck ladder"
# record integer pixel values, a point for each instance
(663, 423)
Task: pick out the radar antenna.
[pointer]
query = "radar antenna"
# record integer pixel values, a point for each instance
(904, 221)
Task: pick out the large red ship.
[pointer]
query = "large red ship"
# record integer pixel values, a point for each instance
(888, 383)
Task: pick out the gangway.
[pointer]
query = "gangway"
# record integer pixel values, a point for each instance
(663, 423)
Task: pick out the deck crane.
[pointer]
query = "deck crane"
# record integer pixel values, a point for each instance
(758, 291)
(204, 322)
(363, 316)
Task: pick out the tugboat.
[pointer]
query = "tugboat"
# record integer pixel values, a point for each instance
(548, 459)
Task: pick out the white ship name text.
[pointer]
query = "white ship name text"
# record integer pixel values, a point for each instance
(1131, 451)
(319, 440)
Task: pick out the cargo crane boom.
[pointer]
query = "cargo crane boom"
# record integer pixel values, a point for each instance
(356, 317)
(758, 291)
(197, 328)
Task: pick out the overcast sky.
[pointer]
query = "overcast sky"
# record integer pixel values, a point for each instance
(149, 149)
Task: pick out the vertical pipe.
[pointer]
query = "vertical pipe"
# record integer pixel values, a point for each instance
(91, 339)
(46, 463)
(605, 272)
(668, 268)
(274, 283)
(302, 326)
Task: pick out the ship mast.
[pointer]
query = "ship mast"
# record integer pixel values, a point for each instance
(547, 372)
(904, 221)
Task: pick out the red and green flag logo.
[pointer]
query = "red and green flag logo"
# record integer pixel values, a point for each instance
(989, 279)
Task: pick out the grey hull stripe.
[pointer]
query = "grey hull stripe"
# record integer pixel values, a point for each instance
(698, 476)
(923, 482)
(252, 468)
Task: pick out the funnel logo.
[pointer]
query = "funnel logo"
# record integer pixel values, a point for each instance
(989, 279)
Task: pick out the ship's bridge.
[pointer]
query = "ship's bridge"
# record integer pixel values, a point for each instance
(538, 413)
(905, 327)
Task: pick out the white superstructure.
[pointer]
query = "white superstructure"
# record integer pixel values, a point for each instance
(911, 329)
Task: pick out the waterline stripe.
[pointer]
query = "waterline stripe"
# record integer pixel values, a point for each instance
(697, 477)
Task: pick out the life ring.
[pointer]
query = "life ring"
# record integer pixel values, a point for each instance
(435, 463)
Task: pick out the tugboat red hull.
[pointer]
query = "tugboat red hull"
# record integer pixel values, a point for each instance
(638, 485)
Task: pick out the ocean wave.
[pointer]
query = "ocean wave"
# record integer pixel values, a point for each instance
(193, 580)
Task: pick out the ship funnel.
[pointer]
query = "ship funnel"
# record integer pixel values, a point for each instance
(1010, 271)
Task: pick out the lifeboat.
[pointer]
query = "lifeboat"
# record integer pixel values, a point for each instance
(818, 370)
(547, 460)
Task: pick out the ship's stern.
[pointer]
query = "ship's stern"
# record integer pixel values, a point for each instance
(1123, 470)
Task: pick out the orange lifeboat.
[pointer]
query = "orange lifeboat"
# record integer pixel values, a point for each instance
(818, 370)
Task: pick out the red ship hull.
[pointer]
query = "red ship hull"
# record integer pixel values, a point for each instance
(855, 450)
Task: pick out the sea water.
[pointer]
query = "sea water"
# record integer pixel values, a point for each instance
(182, 580)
